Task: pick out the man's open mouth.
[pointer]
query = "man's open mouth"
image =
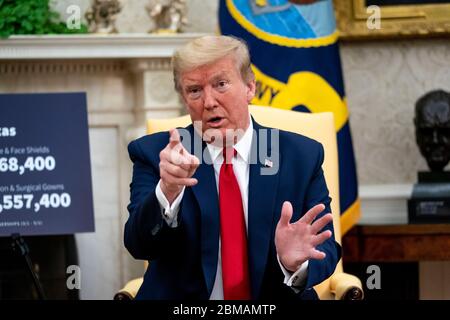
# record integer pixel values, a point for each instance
(215, 121)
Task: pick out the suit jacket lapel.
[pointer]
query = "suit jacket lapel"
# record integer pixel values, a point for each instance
(261, 201)
(206, 193)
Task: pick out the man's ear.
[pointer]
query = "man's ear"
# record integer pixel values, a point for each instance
(251, 90)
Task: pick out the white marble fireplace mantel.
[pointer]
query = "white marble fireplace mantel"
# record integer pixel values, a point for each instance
(122, 46)
(131, 72)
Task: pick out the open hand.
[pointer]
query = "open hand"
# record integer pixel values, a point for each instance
(296, 242)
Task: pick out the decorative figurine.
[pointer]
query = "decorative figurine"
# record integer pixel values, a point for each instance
(169, 15)
(102, 15)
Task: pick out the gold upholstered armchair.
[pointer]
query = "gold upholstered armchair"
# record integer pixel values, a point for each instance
(320, 127)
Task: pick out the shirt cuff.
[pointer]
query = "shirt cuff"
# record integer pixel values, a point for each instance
(296, 279)
(169, 212)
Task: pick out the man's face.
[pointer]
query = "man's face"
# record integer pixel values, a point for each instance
(433, 134)
(217, 96)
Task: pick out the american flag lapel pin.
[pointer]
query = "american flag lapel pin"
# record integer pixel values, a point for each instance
(268, 163)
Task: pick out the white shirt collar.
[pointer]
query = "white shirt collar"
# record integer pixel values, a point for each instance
(242, 147)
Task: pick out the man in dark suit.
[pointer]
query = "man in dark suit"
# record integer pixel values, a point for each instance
(212, 213)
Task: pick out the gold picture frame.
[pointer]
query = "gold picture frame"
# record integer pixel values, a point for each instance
(408, 20)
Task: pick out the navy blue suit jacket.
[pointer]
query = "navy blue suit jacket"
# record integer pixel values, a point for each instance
(183, 260)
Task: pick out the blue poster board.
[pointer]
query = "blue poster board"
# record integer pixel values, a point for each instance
(45, 172)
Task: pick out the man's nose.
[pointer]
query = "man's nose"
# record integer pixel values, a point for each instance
(209, 100)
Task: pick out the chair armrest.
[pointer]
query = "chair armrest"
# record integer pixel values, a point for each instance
(346, 287)
(130, 290)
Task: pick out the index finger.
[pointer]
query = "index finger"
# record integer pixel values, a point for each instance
(178, 158)
(174, 138)
(312, 213)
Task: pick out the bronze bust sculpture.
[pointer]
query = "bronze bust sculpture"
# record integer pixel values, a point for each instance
(430, 199)
(432, 121)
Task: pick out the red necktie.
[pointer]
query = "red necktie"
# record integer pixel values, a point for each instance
(236, 284)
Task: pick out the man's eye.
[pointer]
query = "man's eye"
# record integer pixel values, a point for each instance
(194, 92)
(222, 84)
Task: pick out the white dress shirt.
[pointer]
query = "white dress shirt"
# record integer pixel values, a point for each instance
(241, 170)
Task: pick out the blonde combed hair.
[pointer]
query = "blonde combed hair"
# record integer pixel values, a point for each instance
(208, 49)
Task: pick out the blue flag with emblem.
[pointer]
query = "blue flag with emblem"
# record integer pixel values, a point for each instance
(295, 56)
